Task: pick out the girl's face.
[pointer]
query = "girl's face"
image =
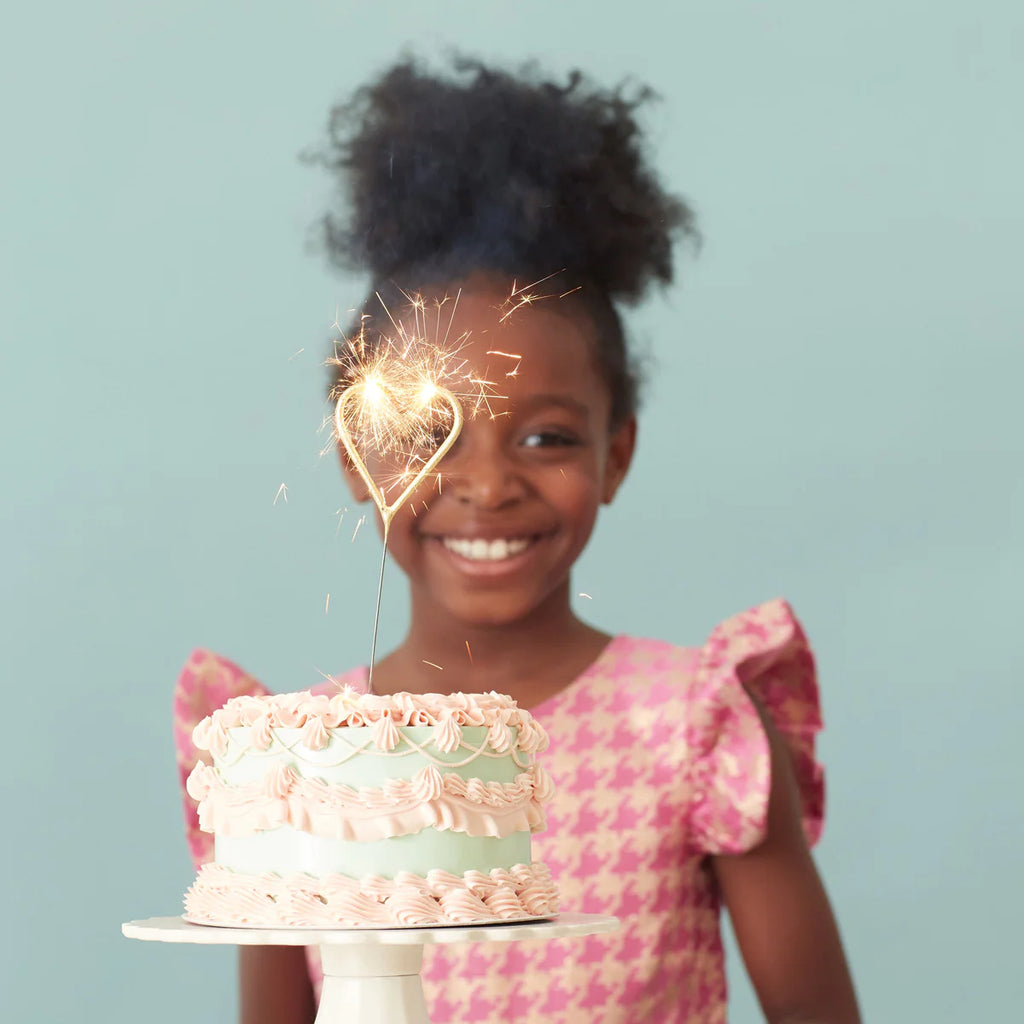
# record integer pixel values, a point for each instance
(519, 492)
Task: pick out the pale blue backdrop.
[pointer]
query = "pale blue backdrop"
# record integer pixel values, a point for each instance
(833, 415)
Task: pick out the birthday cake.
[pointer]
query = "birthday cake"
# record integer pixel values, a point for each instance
(362, 810)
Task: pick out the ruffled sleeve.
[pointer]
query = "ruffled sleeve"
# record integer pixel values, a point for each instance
(761, 653)
(206, 683)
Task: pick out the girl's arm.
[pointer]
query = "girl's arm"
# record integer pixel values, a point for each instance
(274, 986)
(781, 915)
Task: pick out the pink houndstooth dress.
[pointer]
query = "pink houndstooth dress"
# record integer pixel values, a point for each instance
(659, 759)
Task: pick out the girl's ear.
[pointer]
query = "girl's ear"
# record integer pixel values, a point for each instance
(354, 479)
(620, 455)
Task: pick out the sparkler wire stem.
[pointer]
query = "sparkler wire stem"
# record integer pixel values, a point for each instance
(376, 614)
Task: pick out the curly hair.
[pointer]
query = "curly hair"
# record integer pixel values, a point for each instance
(483, 170)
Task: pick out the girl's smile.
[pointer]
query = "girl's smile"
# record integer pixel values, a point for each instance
(486, 552)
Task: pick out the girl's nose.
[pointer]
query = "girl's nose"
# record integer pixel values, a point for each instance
(483, 476)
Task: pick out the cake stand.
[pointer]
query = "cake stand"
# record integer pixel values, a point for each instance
(371, 976)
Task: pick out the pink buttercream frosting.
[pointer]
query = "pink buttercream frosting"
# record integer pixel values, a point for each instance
(508, 725)
(222, 896)
(401, 807)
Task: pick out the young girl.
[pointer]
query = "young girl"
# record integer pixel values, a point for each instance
(685, 776)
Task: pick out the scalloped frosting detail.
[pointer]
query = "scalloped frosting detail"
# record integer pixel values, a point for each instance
(509, 726)
(429, 799)
(225, 897)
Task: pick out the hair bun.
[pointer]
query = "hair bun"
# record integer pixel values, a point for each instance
(487, 170)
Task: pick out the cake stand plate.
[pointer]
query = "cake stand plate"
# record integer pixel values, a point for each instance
(371, 976)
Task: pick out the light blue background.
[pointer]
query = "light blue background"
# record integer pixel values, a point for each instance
(834, 415)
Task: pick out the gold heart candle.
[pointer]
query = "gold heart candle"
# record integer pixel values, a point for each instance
(385, 417)
(398, 414)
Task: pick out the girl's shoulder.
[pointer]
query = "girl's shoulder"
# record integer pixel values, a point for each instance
(701, 707)
(763, 650)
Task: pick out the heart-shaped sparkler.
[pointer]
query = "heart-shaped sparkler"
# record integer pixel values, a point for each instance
(360, 393)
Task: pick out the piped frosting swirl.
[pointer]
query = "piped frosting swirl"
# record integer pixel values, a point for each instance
(448, 802)
(508, 725)
(222, 896)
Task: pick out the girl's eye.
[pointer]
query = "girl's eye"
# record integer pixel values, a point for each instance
(548, 439)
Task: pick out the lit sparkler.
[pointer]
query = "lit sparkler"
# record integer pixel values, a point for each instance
(400, 408)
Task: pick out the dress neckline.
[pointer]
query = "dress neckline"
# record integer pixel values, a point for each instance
(607, 655)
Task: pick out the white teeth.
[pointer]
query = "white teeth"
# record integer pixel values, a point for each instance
(481, 550)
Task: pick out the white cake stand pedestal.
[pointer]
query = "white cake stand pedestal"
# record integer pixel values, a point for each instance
(371, 976)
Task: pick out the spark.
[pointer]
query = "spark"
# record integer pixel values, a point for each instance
(432, 665)
(327, 604)
(337, 319)
(524, 300)
(508, 355)
(451, 319)
(341, 515)
(546, 277)
(362, 519)
(299, 353)
(525, 296)
(469, 651)
(282, 492)
(587, 596)
(570, 291)
(326, 677)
